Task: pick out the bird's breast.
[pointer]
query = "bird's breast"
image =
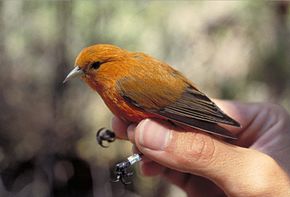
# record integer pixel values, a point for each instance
(120, 108)
(115, 102)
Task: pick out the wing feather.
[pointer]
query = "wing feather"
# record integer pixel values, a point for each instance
(195, 104)
(191, 108)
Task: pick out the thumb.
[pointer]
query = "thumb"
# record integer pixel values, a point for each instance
(229, 166)
(185, 151)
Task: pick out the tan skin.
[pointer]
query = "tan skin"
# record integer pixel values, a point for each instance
(203, 165)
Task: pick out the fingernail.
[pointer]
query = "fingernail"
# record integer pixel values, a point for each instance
(153, 135)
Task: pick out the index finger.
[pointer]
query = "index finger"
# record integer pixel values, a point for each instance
(120, 128)
(255, 119)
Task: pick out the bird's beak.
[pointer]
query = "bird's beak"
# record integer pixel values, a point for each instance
(76, 72)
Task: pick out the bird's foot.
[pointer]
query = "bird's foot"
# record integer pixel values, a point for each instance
(121, 173)
(121, 169)
(107, 135)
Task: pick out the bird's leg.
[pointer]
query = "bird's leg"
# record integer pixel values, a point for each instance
(104, 134)
(121, 169)
(121, 172)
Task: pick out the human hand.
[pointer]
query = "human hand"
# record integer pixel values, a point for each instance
(202, 165)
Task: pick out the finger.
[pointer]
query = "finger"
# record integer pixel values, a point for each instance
(177, 178)
(144, 158)
(193, 185)
(176, 149)
(265, 128)
(245, 114)
(131, 132)
(151, 168)
(253, 117)
(147, 166)
(119, 127)
(180, 179)
(200, 154)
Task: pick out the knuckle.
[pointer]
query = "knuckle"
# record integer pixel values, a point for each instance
(194, 150)
(275, 109)
(280, 116)
(262, 181)
(257, 175)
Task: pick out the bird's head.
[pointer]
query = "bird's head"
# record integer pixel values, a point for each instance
(91, 59)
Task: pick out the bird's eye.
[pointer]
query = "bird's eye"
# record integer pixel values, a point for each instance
(96, 65)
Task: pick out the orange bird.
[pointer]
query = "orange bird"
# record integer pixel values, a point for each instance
(136, 86)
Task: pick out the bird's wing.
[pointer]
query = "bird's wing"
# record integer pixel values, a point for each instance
(195, 104)
(191, 107)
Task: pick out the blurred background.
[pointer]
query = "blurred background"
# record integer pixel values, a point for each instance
(230, 49)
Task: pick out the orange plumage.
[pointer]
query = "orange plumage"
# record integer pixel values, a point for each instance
(136, 86)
